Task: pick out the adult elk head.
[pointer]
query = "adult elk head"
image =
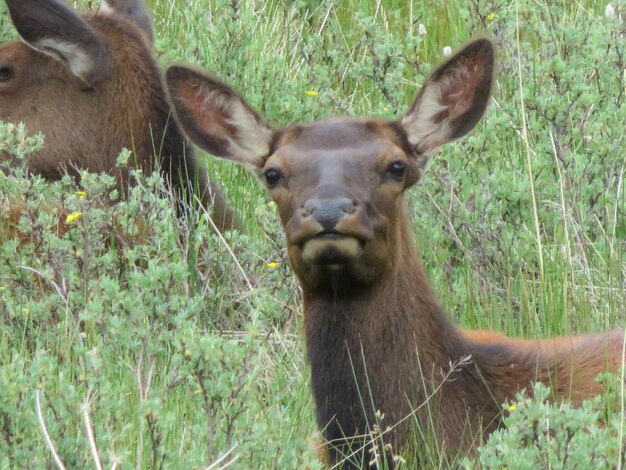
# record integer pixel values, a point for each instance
(338, 183)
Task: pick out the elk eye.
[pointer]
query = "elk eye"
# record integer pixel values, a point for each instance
(6, 72)
(397, 170)
(272, 177)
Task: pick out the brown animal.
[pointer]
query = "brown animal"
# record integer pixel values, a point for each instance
(377, 338)
(90, 85)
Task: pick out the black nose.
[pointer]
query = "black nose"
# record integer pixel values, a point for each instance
(328, 206)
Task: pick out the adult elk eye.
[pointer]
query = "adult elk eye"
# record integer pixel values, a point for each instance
(272, 177)
(6, 72)
(397, 170)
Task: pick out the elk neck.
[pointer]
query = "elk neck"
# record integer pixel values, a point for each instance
(389, 347)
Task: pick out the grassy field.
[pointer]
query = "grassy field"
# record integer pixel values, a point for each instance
(186, 349)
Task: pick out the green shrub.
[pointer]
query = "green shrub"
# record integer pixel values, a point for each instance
(541, 434)
(171, 367)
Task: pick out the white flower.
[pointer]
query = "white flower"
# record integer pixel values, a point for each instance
(421, 30)
(447, 51)
(609, 11)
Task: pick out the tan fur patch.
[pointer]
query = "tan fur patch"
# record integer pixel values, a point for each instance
(344, 247)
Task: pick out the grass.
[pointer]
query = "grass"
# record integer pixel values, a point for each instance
(521, 227)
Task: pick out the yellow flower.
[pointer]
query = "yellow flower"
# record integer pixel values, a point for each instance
(491, 16)
(512, 408)
(312, 94)
(272, 265)
(81, 193)
(73, 217)
(25, 311)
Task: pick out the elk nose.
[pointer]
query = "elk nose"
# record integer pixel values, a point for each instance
(328, 208)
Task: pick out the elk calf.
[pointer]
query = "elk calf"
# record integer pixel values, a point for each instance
(377, 339)
(90, 85)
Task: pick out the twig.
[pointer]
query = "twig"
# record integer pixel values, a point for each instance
(50, 281)
(217, 465)
(92, 442)
(46, 436)
(223, 240)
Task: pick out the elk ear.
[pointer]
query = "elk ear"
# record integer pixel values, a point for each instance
(53, 28)
(133, 10)
(217, 118)
(452, 100)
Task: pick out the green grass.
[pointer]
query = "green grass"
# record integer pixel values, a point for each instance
(177, 362)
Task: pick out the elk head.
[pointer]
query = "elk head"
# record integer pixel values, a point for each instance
(89, 83)
(338, 183)
(86, 82)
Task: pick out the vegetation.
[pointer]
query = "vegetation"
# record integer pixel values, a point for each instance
(543, 435)
(172, 346)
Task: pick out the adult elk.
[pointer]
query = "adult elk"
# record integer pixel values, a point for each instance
(377, 338)
(89, 83)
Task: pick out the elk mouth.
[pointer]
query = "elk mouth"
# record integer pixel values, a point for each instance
(330, 247)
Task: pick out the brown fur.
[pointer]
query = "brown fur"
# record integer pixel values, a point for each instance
(382, 350)
(86, 127)
(12, 213)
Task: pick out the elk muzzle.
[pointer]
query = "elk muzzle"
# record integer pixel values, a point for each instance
(330, 209)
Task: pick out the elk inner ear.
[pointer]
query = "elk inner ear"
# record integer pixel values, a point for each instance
(452, 100)
(217, 118)
(203, 118)
(55, 29)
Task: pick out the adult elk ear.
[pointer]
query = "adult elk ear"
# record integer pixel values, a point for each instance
(452, 100)
(133, 10)
(55, 29)
(217, 118)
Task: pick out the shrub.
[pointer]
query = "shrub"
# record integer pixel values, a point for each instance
(541, 434)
